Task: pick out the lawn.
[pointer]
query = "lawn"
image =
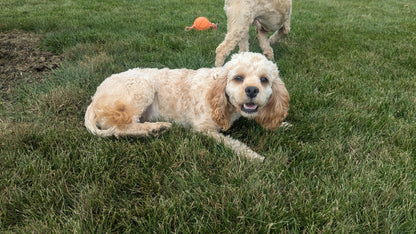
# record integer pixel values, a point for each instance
(348, 163)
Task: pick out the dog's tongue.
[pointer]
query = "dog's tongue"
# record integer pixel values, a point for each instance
(250, 106)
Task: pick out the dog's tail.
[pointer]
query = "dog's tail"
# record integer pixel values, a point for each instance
(91, 124)
(106, 116)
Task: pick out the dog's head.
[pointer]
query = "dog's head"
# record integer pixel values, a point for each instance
(250, 85)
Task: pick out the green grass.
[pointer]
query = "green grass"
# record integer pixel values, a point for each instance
(347, 164)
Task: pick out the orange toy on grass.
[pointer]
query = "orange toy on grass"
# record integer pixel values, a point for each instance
(202, 23)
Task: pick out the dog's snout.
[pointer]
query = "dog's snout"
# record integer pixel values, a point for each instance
(252, 91)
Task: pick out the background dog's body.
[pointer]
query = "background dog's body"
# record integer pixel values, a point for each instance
(266, 15)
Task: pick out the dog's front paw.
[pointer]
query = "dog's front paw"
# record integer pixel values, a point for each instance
(255, 156)
(286, 125)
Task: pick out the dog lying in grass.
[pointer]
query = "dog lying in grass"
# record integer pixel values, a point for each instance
(266, 15)
(208, 100)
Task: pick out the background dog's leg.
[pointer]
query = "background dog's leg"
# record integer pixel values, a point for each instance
(237, 146)
(282, 32)
(238, 27)
(244, 45)
(264, 44)
(229, 43)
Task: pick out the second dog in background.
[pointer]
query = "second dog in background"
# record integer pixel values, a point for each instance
(266, 15)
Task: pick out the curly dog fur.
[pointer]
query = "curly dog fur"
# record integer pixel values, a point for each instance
(266, 15)
(132, 103)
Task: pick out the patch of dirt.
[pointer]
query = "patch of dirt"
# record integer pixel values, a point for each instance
(22, 61)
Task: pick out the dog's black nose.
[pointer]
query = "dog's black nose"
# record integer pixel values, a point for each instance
(252, 91)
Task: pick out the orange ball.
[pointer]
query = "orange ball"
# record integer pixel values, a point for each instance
(202, 23)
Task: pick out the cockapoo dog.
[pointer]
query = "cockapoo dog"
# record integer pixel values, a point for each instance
(208, 100)
(266, 15)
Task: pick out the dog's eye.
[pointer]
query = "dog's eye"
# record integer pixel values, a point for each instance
(238, 78)
(264, 80)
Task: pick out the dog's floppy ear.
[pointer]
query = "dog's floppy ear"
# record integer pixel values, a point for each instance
(275, 111)
(221, 108)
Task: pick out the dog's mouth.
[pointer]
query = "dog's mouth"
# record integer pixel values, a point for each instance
(249, 107)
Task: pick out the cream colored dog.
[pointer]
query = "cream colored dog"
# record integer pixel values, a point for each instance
(266, 15)
(209, 100)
